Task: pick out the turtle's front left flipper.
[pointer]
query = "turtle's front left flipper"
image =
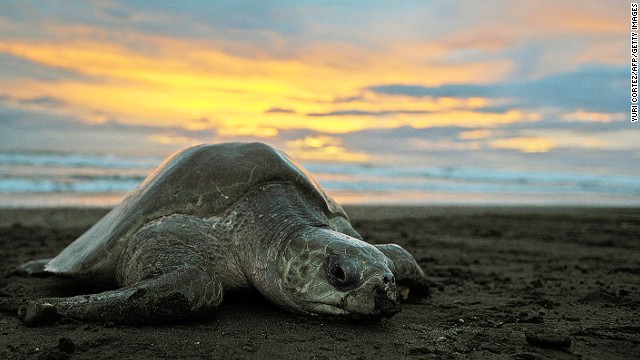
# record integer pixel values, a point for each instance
(184, 293)
(409, 276)
(164, 274)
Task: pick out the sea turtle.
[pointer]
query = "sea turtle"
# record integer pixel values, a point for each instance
(213, 218)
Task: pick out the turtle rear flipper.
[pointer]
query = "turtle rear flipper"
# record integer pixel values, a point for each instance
(32, 268)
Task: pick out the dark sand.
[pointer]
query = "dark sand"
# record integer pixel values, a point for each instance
(521, 283)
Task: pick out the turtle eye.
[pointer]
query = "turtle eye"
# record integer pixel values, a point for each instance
(343, 272)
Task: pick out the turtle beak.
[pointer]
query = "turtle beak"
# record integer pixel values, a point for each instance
(385, 298)
(378, 297)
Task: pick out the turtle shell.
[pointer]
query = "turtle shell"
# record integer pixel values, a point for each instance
(203, 181)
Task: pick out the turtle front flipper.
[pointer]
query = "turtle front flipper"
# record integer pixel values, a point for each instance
(164, 275)
(410, 278)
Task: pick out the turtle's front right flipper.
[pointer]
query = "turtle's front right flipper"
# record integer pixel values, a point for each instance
(409, 276)
(184, 293)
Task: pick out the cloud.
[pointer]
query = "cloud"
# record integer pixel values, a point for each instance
(593, 88)
(368, 113)
(457, 90)
(405, 142)
(404, 132)
(323, 148)
(501, 148)
(597, 88)
(117, 12)
(347, 99)
(16, 67)
(47, 101)
(277, 110)
(32, 128)
(566, 122)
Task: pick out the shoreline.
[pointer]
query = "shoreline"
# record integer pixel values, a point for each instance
(354, 198)
(58, 216)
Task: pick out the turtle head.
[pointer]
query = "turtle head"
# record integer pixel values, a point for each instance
(329, 273)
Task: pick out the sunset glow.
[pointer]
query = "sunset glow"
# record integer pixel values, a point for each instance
(469, 84)
(234, 93)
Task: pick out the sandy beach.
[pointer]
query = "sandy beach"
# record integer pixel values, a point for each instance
(506, 282)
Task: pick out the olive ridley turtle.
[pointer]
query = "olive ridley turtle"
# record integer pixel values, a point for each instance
(214, 218)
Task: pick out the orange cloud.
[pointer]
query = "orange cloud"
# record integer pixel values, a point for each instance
(610, 140)
(475, 134)
(323, 148)
(525, 144)
(575, 19)
(591, 116)
(182, 80)
(173, 140)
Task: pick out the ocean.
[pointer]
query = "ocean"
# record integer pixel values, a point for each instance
(30, 179)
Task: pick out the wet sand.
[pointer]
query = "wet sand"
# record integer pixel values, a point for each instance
(506, 282)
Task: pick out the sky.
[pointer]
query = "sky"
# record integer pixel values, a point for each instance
(523, 85)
